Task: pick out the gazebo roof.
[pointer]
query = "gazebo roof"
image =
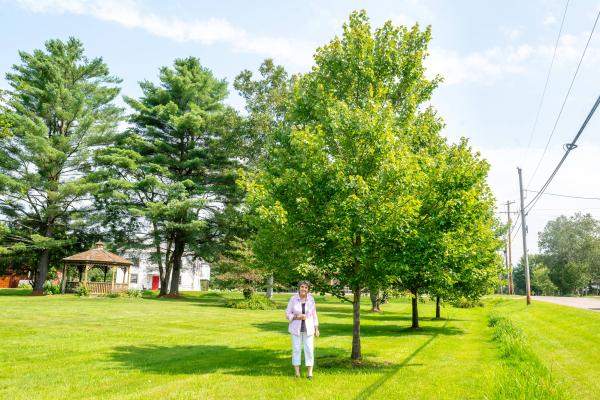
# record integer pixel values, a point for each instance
(97, 256)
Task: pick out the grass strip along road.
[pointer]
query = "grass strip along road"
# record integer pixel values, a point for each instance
(122, 348)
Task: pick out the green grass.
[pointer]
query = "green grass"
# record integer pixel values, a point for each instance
(195, 348)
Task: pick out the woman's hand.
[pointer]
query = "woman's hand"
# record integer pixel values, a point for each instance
(317, 333)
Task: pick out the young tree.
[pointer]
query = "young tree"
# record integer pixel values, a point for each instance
(177, 166)
(58, 110)
(451, 251)
(338, 182)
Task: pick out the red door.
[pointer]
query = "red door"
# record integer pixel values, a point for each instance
(155, 282)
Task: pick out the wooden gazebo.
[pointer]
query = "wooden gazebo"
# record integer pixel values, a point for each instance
(97, 257)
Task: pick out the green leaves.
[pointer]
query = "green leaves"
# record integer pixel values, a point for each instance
(356, 179)
(57, 111)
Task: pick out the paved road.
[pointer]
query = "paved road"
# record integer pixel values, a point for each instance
(579, 302)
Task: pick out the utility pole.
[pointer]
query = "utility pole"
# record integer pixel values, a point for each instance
(511, 288)
(524, 231)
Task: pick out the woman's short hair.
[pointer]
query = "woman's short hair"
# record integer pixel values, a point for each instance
(304, 283)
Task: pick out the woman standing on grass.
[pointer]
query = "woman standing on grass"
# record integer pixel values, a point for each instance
(304, 326)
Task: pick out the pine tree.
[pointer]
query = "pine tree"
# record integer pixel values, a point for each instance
(58, 111)
(176, 167)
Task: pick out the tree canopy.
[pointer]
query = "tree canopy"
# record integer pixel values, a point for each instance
(58, 110)
(176, 166)
(347, 186)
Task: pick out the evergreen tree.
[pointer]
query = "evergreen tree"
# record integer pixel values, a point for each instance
(176, 168)
(58, 111)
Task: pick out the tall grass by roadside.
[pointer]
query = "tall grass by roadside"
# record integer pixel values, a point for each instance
(523, 375)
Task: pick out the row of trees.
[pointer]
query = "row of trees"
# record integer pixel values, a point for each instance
(569, 262)
(339, 175)
(357, 188)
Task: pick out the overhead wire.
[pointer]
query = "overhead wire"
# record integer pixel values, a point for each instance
(562, 107)
(565, 195)
(569, 147)
(539, 109)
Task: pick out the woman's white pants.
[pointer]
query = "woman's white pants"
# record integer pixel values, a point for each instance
(299, 341)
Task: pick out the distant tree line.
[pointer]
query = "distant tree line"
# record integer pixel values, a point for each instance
(569, 261)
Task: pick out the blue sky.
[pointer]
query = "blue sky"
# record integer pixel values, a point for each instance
(494, 56)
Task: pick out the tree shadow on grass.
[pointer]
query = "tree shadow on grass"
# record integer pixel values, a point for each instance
(383, 316)
(15, 292)
(206, 359)
(206, 300)
(370, 390)
(334, 329)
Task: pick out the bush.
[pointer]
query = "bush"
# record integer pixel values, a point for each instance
(82, 291)
(50, 288)
(255, 302)
(113, 295)
(135, 293)
(24, 285)
(464, 302)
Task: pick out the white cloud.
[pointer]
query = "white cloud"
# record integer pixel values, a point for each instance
(129, 14)
(549, 20)
(477, 67)
(487, 66)
(402, 19)
(512, 33)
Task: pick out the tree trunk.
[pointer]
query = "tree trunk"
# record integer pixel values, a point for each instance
(356, 350)
(270, 287)
(415, 310)
(42, 272)
(164, 273)
(176, 272)
(437, 308)
(375, 299)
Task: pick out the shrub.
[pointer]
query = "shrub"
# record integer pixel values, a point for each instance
(113, 295)
(82, 291)
(255, 302)
(135, 293)
(50, 288)
(24, 285)
(464, 302)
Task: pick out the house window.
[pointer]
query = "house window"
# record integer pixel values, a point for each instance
(134, 278)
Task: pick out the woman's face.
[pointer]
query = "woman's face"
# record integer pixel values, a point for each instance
(303, 290)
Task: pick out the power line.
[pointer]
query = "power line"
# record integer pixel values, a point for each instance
(569, 147)
(564, 195)
(562, 107)
(537, 115)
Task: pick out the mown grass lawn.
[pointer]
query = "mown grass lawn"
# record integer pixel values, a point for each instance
(194, 348)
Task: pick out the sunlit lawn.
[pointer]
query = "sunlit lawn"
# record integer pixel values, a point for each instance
(194, 348)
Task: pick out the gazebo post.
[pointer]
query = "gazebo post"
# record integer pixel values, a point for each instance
(112, 285)
(63, 281)
(128, 276)
(85, 275)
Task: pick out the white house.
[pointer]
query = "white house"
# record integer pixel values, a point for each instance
(194, 276)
